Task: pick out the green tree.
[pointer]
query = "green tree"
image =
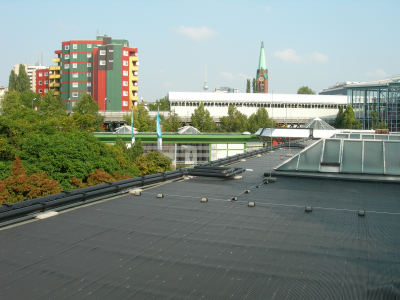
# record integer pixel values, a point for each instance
(375, 120)
(86, 114)
(202, 120)
(257, 86)
(348, 120)
(141, 119)
(153, 162)
(22, 83)
(248, 86)
(50, 105)
(305, 90)
(254, 85)
(131, 153)
(234, 122)
(12, 81)
(161, 104)
(339, 118)
(258, 120)
(172, 123)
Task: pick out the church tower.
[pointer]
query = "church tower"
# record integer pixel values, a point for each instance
(262, 72)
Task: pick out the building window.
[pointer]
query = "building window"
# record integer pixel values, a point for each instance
(124, 103)
(66, 66)
(111, 50)
(40, 74)
(66, 47)
(89, 93)
(125, 44)
(75, 65)
(98, 45)
(40, 82)
(125, 73)
(46, 90)
(102, 52)
(89, 55)
(89, 65)
(125, 93)
(74, 46)
(88, 84)
(40, 91)
(89, 45)
(125, 83)
(66, 56)
(75, 84)
(125, 53)
(125, 63)
(74, 55)
(75, 95)
(102, 62)
(46, 74)
(110, 60)
(46, 82)
(89, 74)
(75, 75)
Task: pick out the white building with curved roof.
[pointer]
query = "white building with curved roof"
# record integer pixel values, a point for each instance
(283, 108)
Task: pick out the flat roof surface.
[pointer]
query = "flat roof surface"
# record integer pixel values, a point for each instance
(143, 247)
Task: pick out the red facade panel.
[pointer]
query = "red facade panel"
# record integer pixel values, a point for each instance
(42, 81)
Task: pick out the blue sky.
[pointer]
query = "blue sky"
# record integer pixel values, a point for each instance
(313, 43)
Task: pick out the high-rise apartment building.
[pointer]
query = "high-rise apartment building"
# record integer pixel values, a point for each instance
(106, 68)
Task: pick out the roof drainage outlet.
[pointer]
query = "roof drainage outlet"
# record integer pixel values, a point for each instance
(247, 191)
(308, 209)
(234, 198)
(252, 204)
(160, 195)
(361, 213)
(203, 200)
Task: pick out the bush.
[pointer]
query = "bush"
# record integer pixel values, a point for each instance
(19, 186)
(153, 162)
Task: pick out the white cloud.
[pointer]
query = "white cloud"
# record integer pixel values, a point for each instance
(196, 34)
(226, 75)
(168, 84)
(230, 76)
(288, 55)
(318, 57)
(377, 73)
(242, 76)
(268, 9)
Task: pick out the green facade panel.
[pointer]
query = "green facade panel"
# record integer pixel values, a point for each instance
(114, 80)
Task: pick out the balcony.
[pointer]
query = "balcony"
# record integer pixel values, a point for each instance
(56, 60)
(134, 58)
(133, 78)
(53, 85)
(55, 76)
(133, 98)
(134, 68)
(55, 68)
(56, 93)
(134, 88)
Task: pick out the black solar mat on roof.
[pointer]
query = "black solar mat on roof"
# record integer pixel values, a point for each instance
(143, 247)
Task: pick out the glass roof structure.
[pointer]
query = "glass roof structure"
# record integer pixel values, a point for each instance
(318, 124)
(188, 130)
(376, 157)
(125, 130)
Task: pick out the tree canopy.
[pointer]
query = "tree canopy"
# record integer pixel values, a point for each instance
(248, 86)
(22, 82)
(161, 104)
(234, 122)
(202, 120)
(305, 90)
(86, 114)
(346, 120)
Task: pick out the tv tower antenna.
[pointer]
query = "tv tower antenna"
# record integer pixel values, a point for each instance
(205, 87)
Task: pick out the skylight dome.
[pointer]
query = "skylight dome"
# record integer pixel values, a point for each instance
(318, 124)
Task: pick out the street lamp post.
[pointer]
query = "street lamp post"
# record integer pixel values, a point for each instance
(32, 102)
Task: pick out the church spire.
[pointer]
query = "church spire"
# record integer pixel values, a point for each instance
(261, 64)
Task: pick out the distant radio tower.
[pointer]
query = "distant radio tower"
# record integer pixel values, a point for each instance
(205, 87)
